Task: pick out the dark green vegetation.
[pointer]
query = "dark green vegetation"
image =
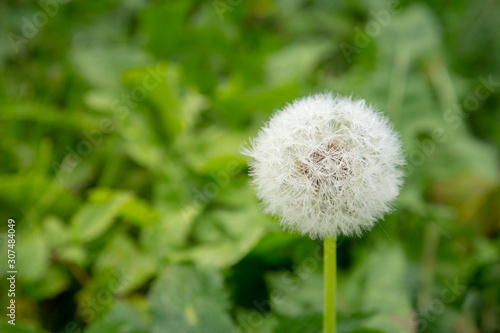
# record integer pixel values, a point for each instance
(121, 125)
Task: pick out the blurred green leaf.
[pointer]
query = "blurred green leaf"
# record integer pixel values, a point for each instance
(296, 61)
(140, 213)
(301, 324)
(94, 219)
(299, 293)
(101, 66)
(32, 254)
(165, 38)
(122, 317)
(189, 299)
(135, 210)
(380, 288)
(414, 31)
(256, 322)
(55, 232)
(122, 255)
(225, 236)
(52, 283)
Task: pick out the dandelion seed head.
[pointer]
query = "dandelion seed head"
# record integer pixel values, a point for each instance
(327, 165)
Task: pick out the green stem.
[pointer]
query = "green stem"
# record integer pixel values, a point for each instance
(330, 282)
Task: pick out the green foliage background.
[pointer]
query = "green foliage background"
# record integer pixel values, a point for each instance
(121, 126)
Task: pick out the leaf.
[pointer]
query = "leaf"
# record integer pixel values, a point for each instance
(102, 66)
(140, 213)
(32, 254)
(121, 255)
(298, 293)
(54, 282)
(73, 253)
(219, 151)
(256, 103)
(175, 108)
(123, 317)
(189, 300)
(136, 210)
(162, 38)
(297, 61)
(302, 324)
(225, 236)
(55, 232)
(172, 231)
(162, 94)
(255, 322)
(415, 31)
(381, 289)
(92, 220)
(313, 323)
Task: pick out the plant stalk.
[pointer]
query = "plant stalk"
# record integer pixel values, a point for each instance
(330, 285)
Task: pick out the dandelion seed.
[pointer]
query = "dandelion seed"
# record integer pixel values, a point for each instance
(327, 165)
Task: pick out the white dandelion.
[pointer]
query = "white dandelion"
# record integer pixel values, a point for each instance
(327, 165)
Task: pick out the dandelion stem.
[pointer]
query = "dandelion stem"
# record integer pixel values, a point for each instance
(330, 282)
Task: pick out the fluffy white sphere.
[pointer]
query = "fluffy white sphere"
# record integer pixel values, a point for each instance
(327, 165)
